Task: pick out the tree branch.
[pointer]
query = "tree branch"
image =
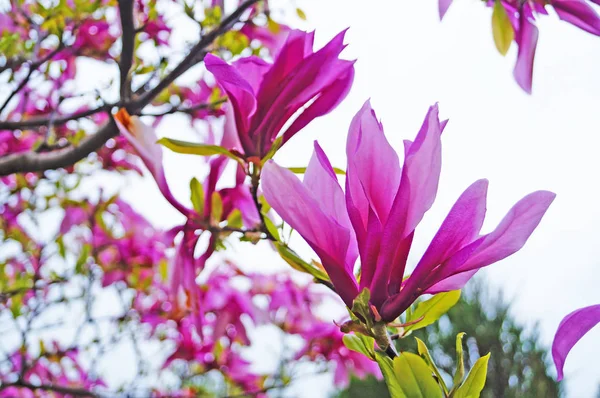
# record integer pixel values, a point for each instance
(38, 162)
(44, 121)
(127, 46)
(76, 392)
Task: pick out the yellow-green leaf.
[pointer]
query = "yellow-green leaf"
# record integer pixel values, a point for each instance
(431, 310)
(194, 148)
(290, 257)
(414, 377)
(197, 195)
(424, 353)
(216, 207)
(387, 369)
(302, 170)
(502, 29)
(475, 380)
(301, 14)
(459, 374)
(362, 344)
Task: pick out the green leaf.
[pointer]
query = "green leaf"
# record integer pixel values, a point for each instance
(361, 344)
(361, 306)
(459, 374)
(271, 227)
(387, 369)
(302, 170)
(414, 377)
(301, 14)
(274, 148)
(502, 29)
(290, 257)
(234, 220)
(431, 310)
(194, 148)
(197, 195)
(424, 353)
(475, 380)
(82, 260)
(216, 207)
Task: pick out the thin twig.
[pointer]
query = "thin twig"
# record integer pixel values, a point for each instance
(127, 44)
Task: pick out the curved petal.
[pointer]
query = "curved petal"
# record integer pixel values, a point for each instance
(443, 6)
(527, 37)
(578, 13)
(298, 206)
(571, 329)
(238, 89)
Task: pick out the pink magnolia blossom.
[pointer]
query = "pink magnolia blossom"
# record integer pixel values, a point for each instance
(571, 329)
(522, 16)
(265, 96)
(376, 221)
(143, 138)
(324, 341)
(272, 39)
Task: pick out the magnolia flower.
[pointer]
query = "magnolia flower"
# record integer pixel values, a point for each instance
(265, 96)
(571, 329)
(520, 18)
(376, 217)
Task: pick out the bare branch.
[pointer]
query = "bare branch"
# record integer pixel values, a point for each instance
(127, 43)
(44, 121)
(76, 392)
(39, 162)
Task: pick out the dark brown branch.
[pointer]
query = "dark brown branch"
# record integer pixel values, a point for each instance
(127, 46)
(76, 392)
(188, 110)
(197, 52)
(44, 121)
(35, 162)
(38, 162)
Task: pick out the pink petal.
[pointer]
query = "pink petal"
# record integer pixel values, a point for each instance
(299, 207)
(578, 13)
(454, 282)
(526, 38)
(253, 70)
(509, 237)
(571, 329)
(238, 89)
(443, 7)
(370, 157)
(461, 227)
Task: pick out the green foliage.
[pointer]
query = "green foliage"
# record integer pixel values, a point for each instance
(502, 29)
(517, 366)
(194, 148)
(429, 311)
(475, 380)
(414, 377)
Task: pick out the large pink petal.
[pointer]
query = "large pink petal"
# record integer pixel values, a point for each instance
(321, 180)
(418, 188)
(240, 92)
(253, 70)
(326, 101)
(571, 329)
(455, 282)
(298, 206)
(526, 38)
(578, 13)
(510, 236)
(373, 165)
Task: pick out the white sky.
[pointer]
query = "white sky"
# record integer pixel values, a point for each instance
(408, 60)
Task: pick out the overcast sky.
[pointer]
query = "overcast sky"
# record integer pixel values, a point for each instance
(408, 60)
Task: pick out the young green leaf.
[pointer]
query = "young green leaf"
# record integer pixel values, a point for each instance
(431, 310)
(387, 369)
(459, 374)
(502, 29)
(475, 380)
(217, 207)
(290, 257)
(197, 194)
(361, 306)
(194, 148)
(415, 377)
(302, 170)
(424, 353)
(361, 344)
